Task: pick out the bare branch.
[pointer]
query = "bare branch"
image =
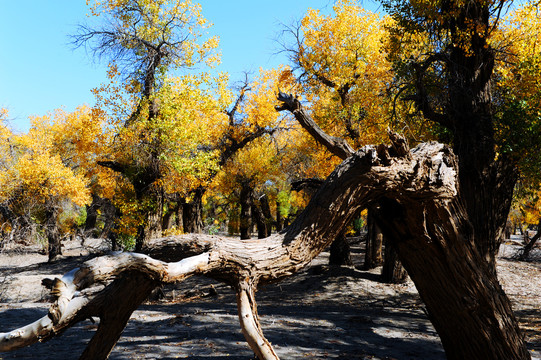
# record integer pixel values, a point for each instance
(337, 146)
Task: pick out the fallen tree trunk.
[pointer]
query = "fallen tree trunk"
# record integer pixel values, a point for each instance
(417, 192)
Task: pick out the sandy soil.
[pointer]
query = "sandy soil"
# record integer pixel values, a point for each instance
(321, 313)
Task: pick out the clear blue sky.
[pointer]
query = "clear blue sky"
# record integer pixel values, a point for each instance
(40, 71)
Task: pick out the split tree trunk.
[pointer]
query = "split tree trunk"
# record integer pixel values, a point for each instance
(420, 213)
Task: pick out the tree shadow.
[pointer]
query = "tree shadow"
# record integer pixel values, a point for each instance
(530, 323)
(320, 312)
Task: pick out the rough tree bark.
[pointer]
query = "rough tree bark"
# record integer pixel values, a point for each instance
(267, 213)
(192, 212)
(422, 215)
(92, 215)
(54, 241)
(339, 251)
(263, 226)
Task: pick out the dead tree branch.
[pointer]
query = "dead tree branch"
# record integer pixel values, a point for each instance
(432, 236)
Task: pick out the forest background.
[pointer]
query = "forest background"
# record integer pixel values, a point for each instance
(46, 56)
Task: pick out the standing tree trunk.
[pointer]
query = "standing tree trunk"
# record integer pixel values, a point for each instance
(245, 200)
(261, 214)
(263, 229)
(340, 252)
(374, 243)
(392, 271)
(279, 218)
(487, 179)
(151, 212)
(54, 242)
(168, 216)
(179, 216)
(192, 212)
(92, 215)
(267, 213)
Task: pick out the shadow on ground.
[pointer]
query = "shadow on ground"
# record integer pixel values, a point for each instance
(320, 313)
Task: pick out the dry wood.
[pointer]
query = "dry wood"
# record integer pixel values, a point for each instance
(417, 191)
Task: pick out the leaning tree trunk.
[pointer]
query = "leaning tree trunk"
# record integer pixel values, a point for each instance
(115, 314)
(420, 212)
(529, 246)
(469, 309)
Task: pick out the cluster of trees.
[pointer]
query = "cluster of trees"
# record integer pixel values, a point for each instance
(159, 152)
